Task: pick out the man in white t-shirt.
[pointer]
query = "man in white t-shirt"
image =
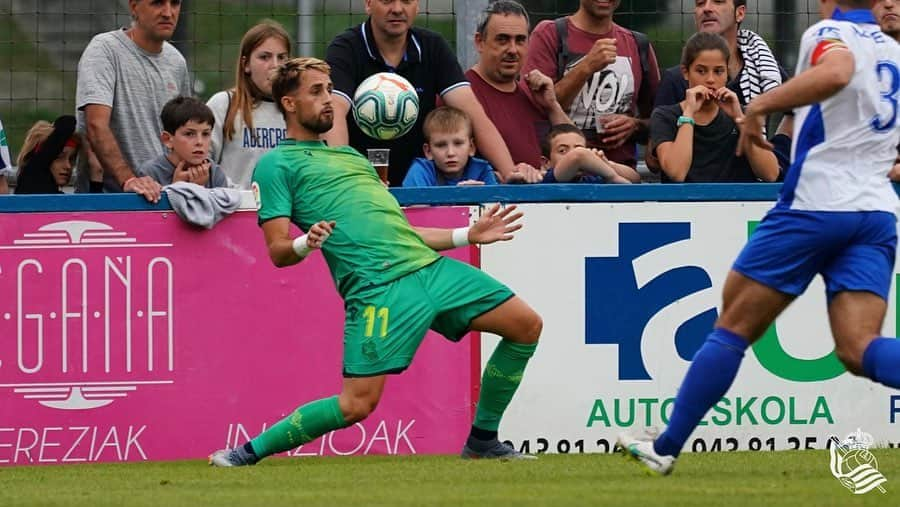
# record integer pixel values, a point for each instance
(124, 78)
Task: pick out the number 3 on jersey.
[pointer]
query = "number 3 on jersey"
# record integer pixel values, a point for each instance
(887, 73)
(371, 314)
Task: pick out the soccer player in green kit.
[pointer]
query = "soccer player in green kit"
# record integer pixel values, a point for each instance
(386, 270)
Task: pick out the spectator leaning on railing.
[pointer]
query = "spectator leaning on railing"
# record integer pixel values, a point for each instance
(187, 128)
(566, 159)
(124, 78)
(522, 107)
(248, 123)
(752, 68)
(696, 140)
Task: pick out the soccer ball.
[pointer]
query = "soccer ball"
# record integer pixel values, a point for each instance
(385, 106)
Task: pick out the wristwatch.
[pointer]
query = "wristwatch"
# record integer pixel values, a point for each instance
(682, 120)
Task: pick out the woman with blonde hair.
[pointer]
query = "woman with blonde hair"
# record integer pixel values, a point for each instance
(248, 123)
(47, 156)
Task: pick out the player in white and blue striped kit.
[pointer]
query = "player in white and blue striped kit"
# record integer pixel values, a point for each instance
(835, 217)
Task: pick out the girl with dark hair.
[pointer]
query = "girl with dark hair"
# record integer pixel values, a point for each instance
(47, 157)
(248, 124)
(696, 139)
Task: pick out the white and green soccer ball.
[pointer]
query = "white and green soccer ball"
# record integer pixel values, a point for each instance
(385, 106)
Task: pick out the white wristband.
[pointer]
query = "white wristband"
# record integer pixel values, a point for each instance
(300, 246)
(460, 237)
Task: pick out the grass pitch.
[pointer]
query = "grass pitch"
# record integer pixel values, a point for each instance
(761, 479)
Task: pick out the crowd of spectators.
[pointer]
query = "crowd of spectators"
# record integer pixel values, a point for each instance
(569, 101)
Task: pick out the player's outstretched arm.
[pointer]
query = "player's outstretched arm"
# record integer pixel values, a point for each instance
(287, 251)
(496, 224)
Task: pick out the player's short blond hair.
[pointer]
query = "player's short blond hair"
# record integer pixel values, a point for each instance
(286, 78)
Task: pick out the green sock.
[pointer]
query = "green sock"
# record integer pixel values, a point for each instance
(305, 424)
(499, 383)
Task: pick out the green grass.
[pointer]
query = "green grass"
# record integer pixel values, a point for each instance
(767, 479)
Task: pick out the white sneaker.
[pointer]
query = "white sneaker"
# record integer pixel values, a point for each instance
(641, 450)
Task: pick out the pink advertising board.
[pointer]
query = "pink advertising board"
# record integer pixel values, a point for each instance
(130, 336)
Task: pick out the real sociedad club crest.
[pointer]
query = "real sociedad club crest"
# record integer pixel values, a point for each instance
(854, 466)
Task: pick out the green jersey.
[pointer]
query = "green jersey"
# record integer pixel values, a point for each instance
(372, 243)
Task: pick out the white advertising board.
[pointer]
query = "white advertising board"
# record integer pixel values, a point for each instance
(628, 292)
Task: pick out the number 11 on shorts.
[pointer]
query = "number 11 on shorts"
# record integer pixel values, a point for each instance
(382, 314)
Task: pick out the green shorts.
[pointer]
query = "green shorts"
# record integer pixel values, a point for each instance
(384, 325)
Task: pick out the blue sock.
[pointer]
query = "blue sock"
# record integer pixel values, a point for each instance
(711, 373)
(881, 361)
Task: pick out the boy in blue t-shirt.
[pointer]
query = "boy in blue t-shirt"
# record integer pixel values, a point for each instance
(449, 149)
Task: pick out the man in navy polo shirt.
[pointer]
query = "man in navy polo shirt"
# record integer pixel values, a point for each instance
(387, 42)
